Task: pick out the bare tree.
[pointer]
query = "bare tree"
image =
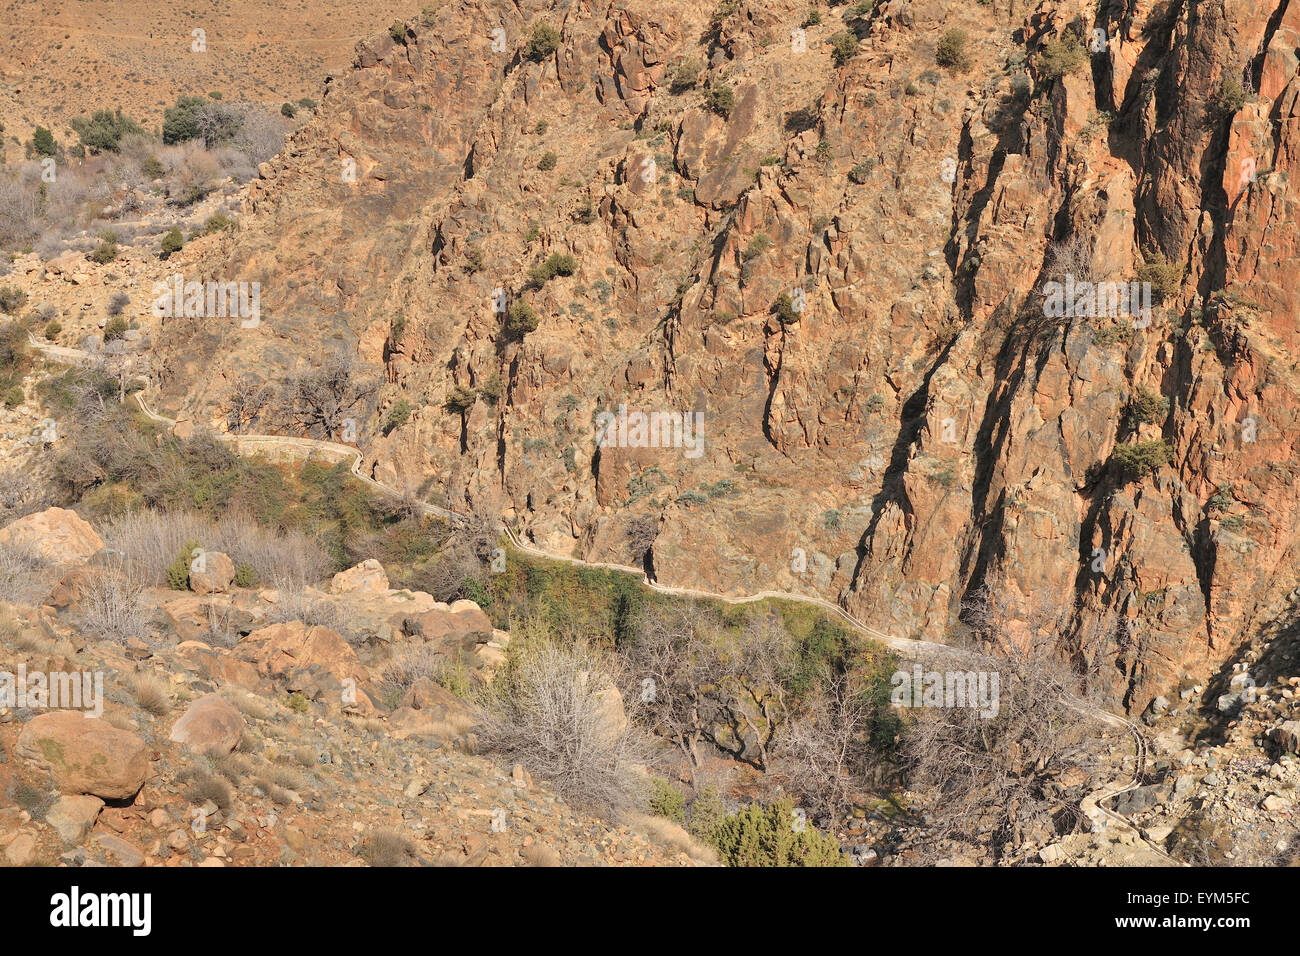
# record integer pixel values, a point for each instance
(827, 754)
(671, 664)
(992, 780)
(248, 398)
(319, 400)
(750, 692)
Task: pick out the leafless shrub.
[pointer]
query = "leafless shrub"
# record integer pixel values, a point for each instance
(22, 493)
(406, 668)
(191, 174)
(1072, 256)
(676, 649)
(118, 303)
(248, 397)
(111, 608)
(990, 782)
(556, 709)
(23, 574)
(261, 134)
(300, 605)
(20, 208)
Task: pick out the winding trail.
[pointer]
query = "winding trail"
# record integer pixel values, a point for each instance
(1099, 816)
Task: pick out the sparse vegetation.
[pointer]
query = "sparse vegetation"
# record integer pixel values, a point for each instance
(543, 41)
(951, 51)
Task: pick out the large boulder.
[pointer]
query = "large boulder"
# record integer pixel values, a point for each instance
(209, 726)
(462, 624)
(369, 575)
(214, 573)
(1287, 736)
(86, 755)
(58, 535)
(314, 660)
(73, 816)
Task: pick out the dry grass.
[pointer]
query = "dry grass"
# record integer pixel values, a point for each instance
(673, 837)
(388, 847)
(539, 854)
(206, 787)
(151, 540)
(250, 705)
(151, 693)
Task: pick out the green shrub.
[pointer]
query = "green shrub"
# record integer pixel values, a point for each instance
(460, 400)
(862, 171)
(172, 242)
(666, 800)
(1061, 57)
(12, 299)
(152, 167)
(1146, 407)
(178, 572)
(544, 41)
(397, 416)
(520, 320)
(785, 310)
(843, 46)
(707, 812)
(772, 836)
(286, 109)
(951, 51)
(307, 103)
(297, 702)
(115, 328)
(685, 76)
(547, 162)
(104, 253)
(813, 18)
(720, 98)
(556, 264)
(43, 143)
(103, 130)
(52, 330)
(217, 223)
(1166, 278)
(398, 32)
(14, 396)
(1231, 96)
(1142, 458)
(246, 576)
(180, 122)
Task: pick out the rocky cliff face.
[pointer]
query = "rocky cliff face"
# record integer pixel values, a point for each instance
(841, 272)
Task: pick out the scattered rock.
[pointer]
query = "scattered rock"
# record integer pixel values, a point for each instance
(73, 816)
(210, 726)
